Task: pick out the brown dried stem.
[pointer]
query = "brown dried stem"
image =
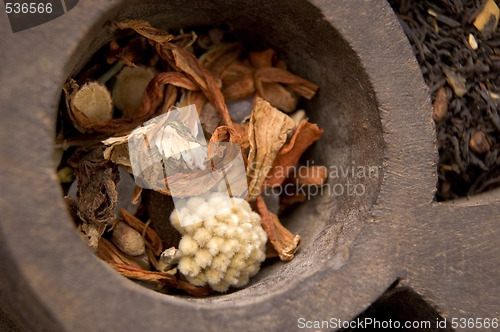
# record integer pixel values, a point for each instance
(283, 241)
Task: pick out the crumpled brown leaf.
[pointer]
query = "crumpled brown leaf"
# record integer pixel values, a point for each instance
(283, 241)
(262, 59)
(97, 195)
(268, 79)
(153, 96)
(183, 61)
(306, 134)
(268, 131)
(226, 134)
(279, 96)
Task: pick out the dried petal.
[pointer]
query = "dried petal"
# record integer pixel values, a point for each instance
(283, 241)
(154, 94)
(280, 97)
(183, 61)
(302, 86)
(129, 88)
(267, 133)
(97, 196)
(306, 134)
(210, 118)
(151, 238)
(217, 58)
(262, 59)
(144, 28)
(440, 104)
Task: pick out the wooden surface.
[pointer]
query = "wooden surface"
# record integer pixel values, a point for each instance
(374, 105)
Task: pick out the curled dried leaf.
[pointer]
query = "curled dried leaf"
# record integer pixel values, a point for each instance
(305, 135)
(144, 28)
(226, 134)
(268, 131)
(262, 59)
(220, 56)
(279, 96)
(154, 94)
(283, 241)
(238, 82)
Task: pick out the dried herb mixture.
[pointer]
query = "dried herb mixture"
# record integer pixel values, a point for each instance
(245, 97)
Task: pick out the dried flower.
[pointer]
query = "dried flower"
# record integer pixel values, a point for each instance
(127, 239)
(267, 134)
(222, 251)
(88, 105)
(284, 242)
(305, 135)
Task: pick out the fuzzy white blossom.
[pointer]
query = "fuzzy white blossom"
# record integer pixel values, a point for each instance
(221, 251)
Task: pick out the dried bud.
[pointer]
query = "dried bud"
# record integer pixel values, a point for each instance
(479, 143)
(168, 258)
(440, 104)
(88, 105)
(129, 88)
(128, 239)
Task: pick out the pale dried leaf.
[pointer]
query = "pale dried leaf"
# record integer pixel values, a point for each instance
(268, 131)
